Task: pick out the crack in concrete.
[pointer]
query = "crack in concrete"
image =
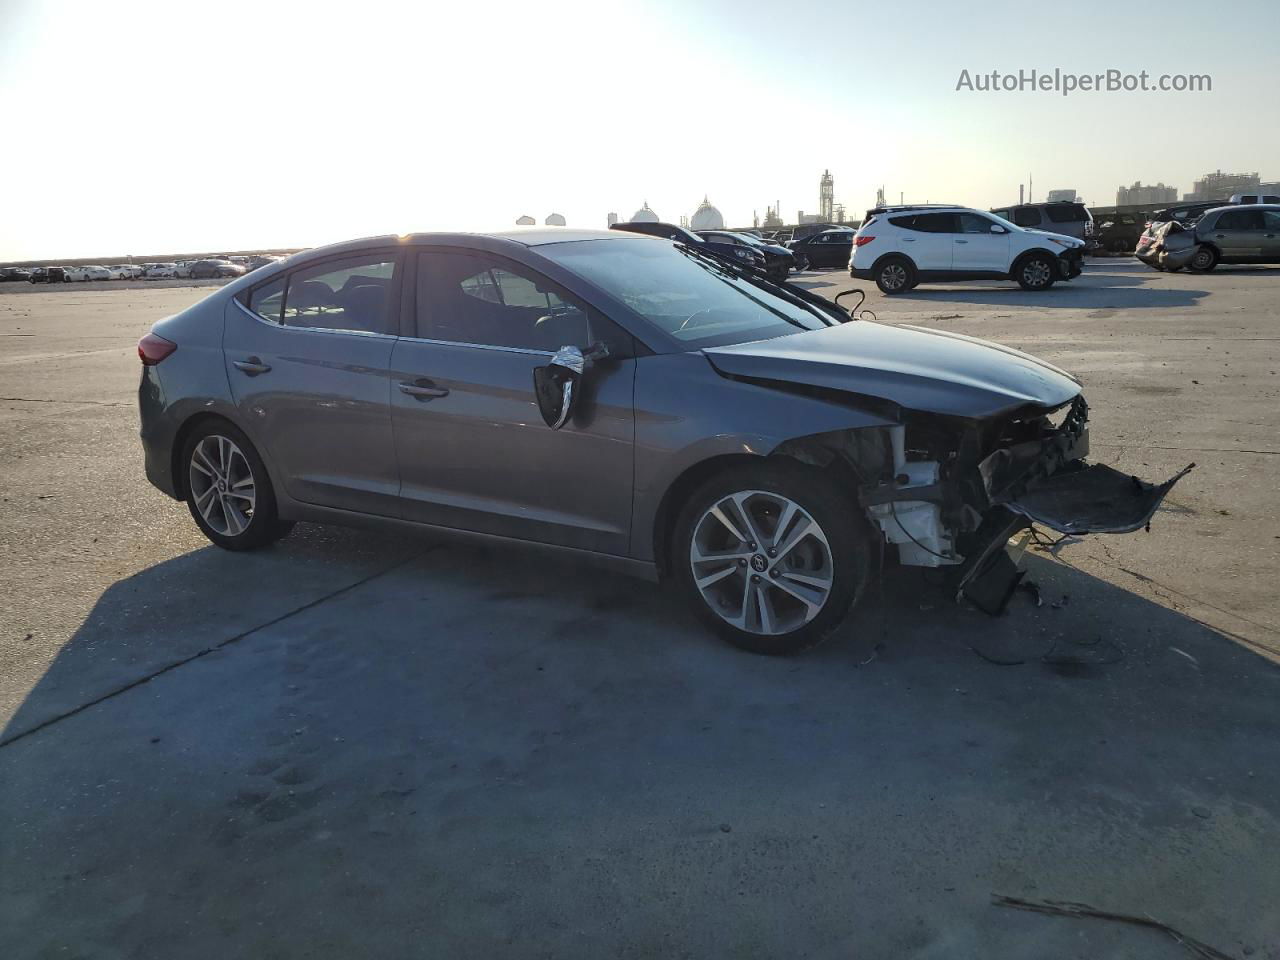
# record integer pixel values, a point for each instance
(92, 403)
(208, 650)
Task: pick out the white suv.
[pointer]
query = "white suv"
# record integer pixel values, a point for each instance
(898, 247)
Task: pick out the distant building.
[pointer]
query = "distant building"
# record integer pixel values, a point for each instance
(526, 221)
(611, 219)
(826, 197)
(1219, 185)
(1138, 194)
(644, 215)
(802, 217)
(771, 217)
(554, 220)
(1068, 196)
(706, 217)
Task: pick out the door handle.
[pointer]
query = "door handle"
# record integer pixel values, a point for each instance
(908, 239)
(422, 389)
(962, 241)
(253, 366)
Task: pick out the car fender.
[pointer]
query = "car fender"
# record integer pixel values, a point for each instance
(688, 416)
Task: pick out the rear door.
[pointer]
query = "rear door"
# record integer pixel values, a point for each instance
(1239, 235)
(927, 239)
(308, 356)
(832, 248)
(1271, 236)
(473, 450)
(976, 248)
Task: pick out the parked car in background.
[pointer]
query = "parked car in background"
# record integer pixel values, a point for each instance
(160, 271)
(1066, 218)
(94, 272)
(1232, 234)
(1119, 232)
(48, 275)
(831, 248)
(262, 260)
(125, 271)
(212, 269)
(778, 260)
(1251, 198)
(182, 269)
(898, 247)
(1151, 243)
(699, 425)
(14, 274)
(737, 252)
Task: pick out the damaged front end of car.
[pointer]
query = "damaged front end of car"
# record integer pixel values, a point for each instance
(951, 493)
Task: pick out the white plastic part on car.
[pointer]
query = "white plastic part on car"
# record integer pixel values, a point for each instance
(914, 526)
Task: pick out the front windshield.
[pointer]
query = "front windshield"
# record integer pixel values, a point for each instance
(687, 296)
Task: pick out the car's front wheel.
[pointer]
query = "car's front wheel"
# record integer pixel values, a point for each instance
(228, 490)
(895, 275)
(772, 556)
(802, 263)
(1035, 273)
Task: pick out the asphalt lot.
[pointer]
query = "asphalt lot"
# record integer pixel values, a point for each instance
(355, 744)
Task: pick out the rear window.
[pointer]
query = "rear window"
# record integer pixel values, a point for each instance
(1026, 217)
(1066, 213)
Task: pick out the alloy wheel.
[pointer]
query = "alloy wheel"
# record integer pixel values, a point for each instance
(761, 562)
(1036, 273)
(894, 276)
(222, 485)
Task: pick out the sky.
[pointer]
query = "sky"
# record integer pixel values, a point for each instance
(154, 127)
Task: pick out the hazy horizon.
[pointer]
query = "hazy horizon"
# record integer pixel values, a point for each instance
(287, 125)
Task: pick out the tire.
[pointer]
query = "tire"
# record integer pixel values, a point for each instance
(219, 508)
(895, 275)
(1035, 273)
(802, 263)
(1203, 260)
(771, 619)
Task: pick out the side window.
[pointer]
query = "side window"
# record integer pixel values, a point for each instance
(1240, 220)
(352, 295)
(1026, 217)
(268, 301)
(1271, 220)
(973, 223)
(1066, 213)
(474, 298)
(938, 223)
(906, 223)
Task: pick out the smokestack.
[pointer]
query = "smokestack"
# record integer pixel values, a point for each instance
(1021, 188)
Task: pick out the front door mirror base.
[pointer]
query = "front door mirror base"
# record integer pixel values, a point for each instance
(555, 386)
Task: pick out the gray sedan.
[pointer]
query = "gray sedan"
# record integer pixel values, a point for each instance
(625, 398)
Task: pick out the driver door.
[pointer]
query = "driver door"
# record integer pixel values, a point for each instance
(472, 447)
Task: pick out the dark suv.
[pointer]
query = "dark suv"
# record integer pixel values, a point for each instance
(1068, 217)
(778, 260)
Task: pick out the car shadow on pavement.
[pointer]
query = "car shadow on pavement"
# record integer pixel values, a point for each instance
(495, 752)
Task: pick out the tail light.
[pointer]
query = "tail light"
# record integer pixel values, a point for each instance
(152, 349)
(861, 241)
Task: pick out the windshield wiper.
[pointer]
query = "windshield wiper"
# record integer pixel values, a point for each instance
(726, 270)
(807, 301)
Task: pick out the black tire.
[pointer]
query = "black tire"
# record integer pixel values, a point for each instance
(832, 508)
(802, 263)
(1203, 260)
(895, 275)
(264, 524)
(1036, 272)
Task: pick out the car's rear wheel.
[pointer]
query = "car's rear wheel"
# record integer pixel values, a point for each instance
(228, 491)
(1203, 260)
(771, 556)
(895, 275)
(1035, 272)
(802, 262)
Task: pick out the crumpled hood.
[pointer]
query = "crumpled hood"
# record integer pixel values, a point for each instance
(914, 368)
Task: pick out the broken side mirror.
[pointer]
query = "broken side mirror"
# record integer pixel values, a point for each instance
(556, 386)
